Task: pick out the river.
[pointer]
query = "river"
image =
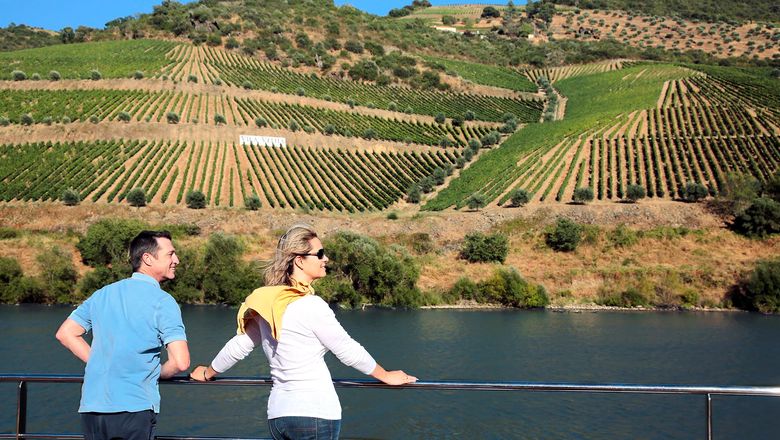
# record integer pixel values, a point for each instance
(713, 348)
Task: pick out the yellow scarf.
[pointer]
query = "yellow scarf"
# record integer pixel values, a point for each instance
(270, 302)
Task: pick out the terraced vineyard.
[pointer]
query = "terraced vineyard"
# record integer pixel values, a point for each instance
(554, 74)
(110, 105)
(698, 131)
(487, 75)
(105, 171)
(240, 71)
(113, 59)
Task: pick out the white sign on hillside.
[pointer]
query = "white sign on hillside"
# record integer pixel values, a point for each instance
(263, 141)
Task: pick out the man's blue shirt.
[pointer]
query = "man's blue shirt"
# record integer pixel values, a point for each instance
(131, 321)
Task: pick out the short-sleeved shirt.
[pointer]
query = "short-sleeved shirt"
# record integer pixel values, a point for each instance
(131, 321)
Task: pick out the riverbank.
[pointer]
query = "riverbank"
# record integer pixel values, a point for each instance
(669, 254)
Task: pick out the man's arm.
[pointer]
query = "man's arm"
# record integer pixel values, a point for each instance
(71, 335)
(178, 359)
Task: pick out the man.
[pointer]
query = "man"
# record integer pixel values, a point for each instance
(131, 320)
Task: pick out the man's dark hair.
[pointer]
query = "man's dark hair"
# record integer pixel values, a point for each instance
(145, 243)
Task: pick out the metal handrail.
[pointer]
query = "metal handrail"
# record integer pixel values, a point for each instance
(702, 390)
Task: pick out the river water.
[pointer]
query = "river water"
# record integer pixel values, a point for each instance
(497, 345)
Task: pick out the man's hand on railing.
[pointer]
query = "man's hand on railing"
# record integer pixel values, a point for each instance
(203, 373)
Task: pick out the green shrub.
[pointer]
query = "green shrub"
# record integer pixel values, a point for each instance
(172, 117)
(583, 195)
(192, 78)
(18, 75)
(4, 122)
(760, 219)
(261, 122)
(466, 289)
(440, 118)
(248, 85)
(382, 275)
(136, 197)
(565, 236)
(622, 236)
(36, 77)
(414, 194)
(8, 233)
(124, 116)
(54, 75)
(482, 248)
(27, 119)
(252, 203)
(635, 192)
(476, 201)
(760, 289)
(392, 215)
(24, 290)
(102, 276)
(138, 75)
(70, 197)
(520, 197)
(226, 278)
(59, 277)
(10, 272)
(693, 192)
(195, 200)
(219, 119)
(94, 119)
(630, 297)
(95, 75)
(508, 287)
(338, 290)
(107, 241)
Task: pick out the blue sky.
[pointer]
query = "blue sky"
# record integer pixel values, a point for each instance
(57, 14)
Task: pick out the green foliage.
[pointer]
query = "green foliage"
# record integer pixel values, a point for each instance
(8, 233)
(635, 192)
(466, 289)
(737, 192)
(381, 275)
(107, 241)
(760, 289)
(226, 277)
(261, 122)
(195, 199)
(583, 195)
(693, 192)
(59, 277)
(622, 236)
(102, 276)
(10, 274)
(95, 75)
(172, 117)
(114, 59)
(70, 197)
(252, 203)
(138, 74)
(490, 12)
(476, 201)
(27, 119)
(18, 75)
(631, 297)
(760, 219)
(484, 248)
(520, 197)
(414, 194)
(440, 118)
(124, 116)
(565, 236)
(508, 287)
(136, 197)
(219, 119)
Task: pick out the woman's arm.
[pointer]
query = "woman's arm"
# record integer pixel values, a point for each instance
(333, 336)
(236, 349)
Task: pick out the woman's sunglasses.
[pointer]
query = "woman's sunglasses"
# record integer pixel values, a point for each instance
(320, 254)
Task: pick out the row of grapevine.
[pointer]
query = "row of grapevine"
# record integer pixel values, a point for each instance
(558, 73)
(242, 71)
(292, 177)
(106, 105)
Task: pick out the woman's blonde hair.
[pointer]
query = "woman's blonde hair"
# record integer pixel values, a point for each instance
(294, 242)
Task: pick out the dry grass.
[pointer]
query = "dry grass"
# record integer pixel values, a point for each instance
(708, 260)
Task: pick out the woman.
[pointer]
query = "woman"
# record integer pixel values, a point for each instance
(296, 328)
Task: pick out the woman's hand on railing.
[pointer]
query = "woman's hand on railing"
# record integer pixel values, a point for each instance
(396, 377)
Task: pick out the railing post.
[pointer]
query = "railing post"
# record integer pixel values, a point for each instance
(21, 410)
(709, 416)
